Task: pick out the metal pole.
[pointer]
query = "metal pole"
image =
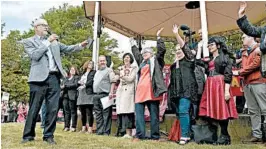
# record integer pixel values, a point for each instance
(204, 28)
(95, 44)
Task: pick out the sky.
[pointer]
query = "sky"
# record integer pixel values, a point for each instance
(18, 15)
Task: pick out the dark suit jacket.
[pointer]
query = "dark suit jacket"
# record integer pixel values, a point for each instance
(89, 83)
(71, 86)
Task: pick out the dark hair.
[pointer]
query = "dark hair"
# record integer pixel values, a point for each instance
(131, 57)
(76, 70)
(219, 41)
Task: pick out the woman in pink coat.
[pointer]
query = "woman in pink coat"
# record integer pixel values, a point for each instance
(22, 112)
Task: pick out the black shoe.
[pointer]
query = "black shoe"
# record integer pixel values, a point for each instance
(26, 140)
(224, 140)
(50, 141)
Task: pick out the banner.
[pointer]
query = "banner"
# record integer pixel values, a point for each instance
(237, 86)
(5, 96)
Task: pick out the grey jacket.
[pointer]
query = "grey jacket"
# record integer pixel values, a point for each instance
(36, 50)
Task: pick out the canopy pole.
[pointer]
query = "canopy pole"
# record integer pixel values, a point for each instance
(204, 29)
(95, 51)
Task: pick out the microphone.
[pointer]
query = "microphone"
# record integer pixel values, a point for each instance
(50, 33)
(184, 27)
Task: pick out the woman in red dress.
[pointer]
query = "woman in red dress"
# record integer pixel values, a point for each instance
(216, 102)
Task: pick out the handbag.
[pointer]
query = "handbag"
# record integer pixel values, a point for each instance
(175, 131)
(205, 134)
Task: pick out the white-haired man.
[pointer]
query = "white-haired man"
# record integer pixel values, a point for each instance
(44, 79)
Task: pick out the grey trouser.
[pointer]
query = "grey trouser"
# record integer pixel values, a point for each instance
(255, 95)
(103, 116)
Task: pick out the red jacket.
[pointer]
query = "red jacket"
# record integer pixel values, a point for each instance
(251, 64)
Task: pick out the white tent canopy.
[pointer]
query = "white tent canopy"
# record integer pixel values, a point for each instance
(132, 18)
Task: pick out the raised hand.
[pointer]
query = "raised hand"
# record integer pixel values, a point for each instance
(132, 41)
(175, 29)
(242, 9)
(84, 43)
(159, 32)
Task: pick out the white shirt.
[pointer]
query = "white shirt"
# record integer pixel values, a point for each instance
(51, 61)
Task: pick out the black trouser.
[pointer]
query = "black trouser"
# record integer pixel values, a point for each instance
(125, 121)
(12, 116)
(86, 110)
(50, 91)
(70, 112)
(224, 127)
(240, 103)
(103, 116)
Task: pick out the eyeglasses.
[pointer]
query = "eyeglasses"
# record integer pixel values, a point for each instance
(44, 25)
(244, 37)
(210, 45)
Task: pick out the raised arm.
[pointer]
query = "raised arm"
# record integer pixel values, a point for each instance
(245, 25)
(136, 52)
(72, 48)
(185, 48)
(161, 50)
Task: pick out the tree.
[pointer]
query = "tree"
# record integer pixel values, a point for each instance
(71, 26)
(2, 28)
(169, 56)
(13, 80)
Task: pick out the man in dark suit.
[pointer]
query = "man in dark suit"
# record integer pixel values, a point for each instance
(44, 79)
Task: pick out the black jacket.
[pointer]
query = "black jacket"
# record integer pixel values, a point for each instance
(89, 83)
(70, 89)
(223, 66)
(158, 85)
(182, 80)
(259, 32)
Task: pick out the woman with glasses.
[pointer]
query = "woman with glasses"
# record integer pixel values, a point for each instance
(217, 104)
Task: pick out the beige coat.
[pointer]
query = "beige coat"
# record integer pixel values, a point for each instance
(126, 91)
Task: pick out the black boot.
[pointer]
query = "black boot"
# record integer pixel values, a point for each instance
(224, 140)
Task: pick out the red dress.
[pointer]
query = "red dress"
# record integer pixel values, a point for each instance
(213, 103)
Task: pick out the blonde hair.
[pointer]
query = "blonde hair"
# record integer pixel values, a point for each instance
(85, 65)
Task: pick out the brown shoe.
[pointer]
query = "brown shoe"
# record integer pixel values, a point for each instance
(253, 140)
(136, 140)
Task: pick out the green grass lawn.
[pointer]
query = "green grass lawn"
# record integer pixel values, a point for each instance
(12, 133)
